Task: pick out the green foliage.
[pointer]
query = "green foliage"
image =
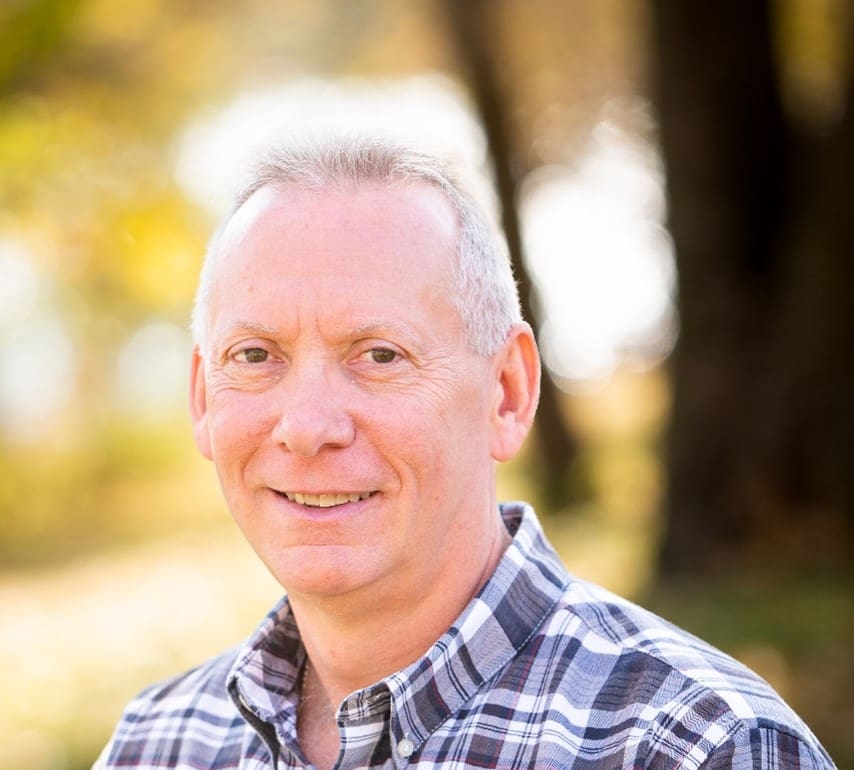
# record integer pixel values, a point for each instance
(33, 35)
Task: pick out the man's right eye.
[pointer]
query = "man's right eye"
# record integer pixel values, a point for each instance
(252, 356)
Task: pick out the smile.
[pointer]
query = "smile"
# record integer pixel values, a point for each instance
(326, 500)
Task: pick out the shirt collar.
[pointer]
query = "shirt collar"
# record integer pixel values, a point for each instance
(527, 583)
(265, 675)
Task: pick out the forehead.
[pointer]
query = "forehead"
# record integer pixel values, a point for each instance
(359, 246)
(347, 222)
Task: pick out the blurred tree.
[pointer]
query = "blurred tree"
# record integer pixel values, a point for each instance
(761, 445)
(474, 30)
(34, 36)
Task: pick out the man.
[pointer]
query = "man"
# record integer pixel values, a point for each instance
(360, 368)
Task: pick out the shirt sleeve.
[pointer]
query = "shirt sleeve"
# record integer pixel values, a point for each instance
(768, 747)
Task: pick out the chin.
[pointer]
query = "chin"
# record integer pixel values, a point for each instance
(324, 571)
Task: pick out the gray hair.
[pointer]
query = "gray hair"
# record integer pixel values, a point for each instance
(485, 291)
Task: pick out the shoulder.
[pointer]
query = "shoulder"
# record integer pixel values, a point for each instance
(199, 693)
(665, 693)
(187, 718)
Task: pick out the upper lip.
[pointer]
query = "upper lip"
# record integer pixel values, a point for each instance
(325, 499)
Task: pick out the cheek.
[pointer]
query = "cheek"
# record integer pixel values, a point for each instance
(467, 422)
(409, 441)
(435, 449)
(237, 424)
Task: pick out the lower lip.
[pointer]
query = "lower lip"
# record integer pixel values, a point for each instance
(317, 513)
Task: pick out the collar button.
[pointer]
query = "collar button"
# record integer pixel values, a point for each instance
(405, 748)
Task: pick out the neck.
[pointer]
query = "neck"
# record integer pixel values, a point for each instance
(354, 641)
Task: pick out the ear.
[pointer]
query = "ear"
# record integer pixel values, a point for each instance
(199, 404)
(517, 392)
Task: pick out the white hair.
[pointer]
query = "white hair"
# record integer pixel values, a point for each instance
(485, 292)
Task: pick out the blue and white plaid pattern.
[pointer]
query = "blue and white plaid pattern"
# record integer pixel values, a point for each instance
(541, 670)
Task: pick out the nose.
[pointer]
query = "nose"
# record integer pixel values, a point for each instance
(313, 414)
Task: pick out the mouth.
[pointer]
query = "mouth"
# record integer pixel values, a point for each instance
(326, 500)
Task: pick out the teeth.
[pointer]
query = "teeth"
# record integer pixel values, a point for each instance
(326, 500)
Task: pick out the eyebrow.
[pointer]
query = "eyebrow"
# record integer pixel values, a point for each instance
(216, 342)
(381, 327)
(250, 326)
(413, 337)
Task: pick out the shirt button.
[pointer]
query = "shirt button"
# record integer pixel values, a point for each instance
(405, 748)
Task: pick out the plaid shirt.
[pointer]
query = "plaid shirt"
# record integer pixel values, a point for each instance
(541, 670)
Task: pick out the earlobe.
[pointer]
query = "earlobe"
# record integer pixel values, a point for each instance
(198, 405)
(517, 392)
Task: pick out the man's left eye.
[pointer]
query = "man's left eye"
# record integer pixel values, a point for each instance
(382, 355)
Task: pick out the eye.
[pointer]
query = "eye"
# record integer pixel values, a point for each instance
(252, 356)
(382, 355)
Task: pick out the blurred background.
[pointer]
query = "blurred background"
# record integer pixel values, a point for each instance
(674, 181)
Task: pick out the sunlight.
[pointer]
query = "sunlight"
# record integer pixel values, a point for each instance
(37, 372)
(152, 370)
(601, 258)
(18, 284)
(37, 366)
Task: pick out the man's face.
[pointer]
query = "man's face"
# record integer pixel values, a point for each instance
(351, 427)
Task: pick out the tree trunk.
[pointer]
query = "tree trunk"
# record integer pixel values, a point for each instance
(748, 461)
(476, 39)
